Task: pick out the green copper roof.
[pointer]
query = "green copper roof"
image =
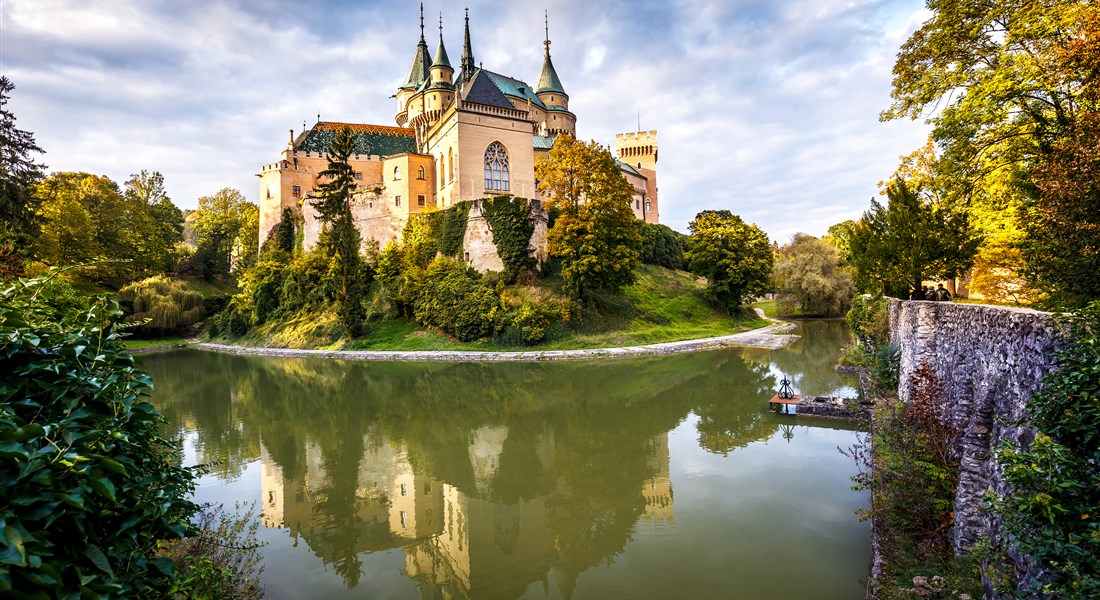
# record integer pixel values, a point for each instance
(515, 88)
(629, 169)
(542, 142)
(418, 73)
(441, 59)
(371, 140)
(548, 80)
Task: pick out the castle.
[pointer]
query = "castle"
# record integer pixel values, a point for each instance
(460, 136)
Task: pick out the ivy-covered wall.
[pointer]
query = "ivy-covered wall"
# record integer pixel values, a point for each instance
(505, 234)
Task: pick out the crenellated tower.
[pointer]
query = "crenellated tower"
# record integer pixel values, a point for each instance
(639, 151)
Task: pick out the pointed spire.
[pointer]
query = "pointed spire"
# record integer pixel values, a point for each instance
(548, 80)
(441, 59)
(418, 72)
(467, 53)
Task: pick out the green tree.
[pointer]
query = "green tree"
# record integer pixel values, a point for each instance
(18, 174)
(221, 230)
(85, 218)
(1010, 86)
(341, 237)
(157, 222)
(807, 271)
(164, 305)
(90, 486)
(662, 246)
(894, 248)
(596, 235)
(736, 258)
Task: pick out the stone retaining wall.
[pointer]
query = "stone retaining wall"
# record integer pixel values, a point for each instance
(990, 360)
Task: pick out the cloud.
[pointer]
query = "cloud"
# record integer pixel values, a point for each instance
(769, 109)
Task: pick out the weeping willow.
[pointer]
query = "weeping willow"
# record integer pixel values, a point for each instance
(162, 305)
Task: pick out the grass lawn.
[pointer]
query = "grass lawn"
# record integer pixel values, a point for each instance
(132, 344)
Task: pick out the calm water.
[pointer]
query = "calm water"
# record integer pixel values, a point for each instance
(653, 478)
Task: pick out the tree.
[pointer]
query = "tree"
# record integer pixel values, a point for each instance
(894, 248)
(341, 238)
(596, 235)
(221, 230)
(18, 174)
(85, 218)
(156, 219)
(1012, 86)
(167, 304)
(662, 246)
(736, 258)
(808, 271)
(839, 236)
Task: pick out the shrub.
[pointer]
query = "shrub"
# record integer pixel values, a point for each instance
(222, 559)
(165, 304)
(913, 475)
(454, 299)
(89, 485)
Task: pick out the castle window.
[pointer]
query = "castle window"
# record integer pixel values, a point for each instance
(397, 173)
(637, 204)
(358, 176)
(397, 200)
(496, 168)
(420, 172)
(450, 164)
(647, 205)
(296, 191)
(421, 200)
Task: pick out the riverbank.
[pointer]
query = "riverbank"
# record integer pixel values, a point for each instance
(771, 337)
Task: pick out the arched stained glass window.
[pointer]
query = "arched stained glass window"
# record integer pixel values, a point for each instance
(496, 168)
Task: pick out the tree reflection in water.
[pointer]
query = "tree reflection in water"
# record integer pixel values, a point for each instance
(489, 476)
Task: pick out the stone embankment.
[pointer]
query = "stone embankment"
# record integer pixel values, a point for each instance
(772, 336)
(990, 361)
(830, 407)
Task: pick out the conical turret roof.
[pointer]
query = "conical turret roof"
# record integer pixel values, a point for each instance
(418, 72)
(548, 80)
(441, 59)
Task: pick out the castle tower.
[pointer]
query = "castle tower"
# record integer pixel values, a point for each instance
(418, 74)
(551, 92)
(442, 73)
(639, 151)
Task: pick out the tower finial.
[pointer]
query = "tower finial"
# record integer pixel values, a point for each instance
(467, 52)
(421, 21)
(546, 17)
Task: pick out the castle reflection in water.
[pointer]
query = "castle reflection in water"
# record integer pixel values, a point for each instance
(463, 545)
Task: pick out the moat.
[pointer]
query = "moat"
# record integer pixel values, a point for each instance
(644, 478)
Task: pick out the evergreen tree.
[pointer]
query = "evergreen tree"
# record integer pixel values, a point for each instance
(896, 247)
(341, 238)
(18, 173)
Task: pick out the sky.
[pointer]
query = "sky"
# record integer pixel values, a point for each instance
(766, 108)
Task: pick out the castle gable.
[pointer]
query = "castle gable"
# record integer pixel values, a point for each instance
(370, 140)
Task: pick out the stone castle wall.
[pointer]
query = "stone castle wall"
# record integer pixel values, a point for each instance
(990, 360)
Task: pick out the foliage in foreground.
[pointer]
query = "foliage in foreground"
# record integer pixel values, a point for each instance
(90, 487)
(1053, 512)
